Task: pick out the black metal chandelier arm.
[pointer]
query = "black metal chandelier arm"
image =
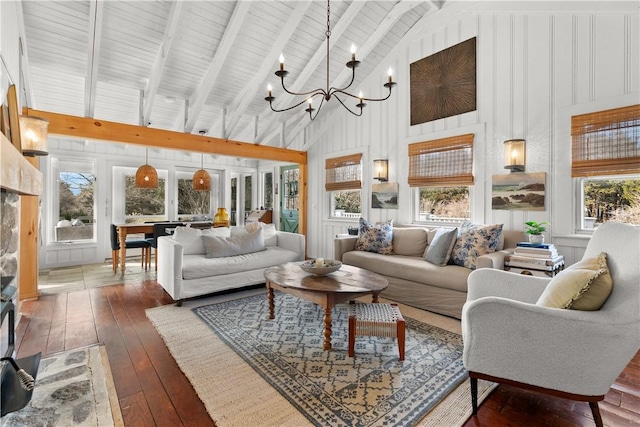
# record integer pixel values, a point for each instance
(332, 89)
(296, 105)
(311, 92)
(363, 98)
(346, 107)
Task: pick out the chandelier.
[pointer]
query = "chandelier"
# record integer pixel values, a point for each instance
(326, 94)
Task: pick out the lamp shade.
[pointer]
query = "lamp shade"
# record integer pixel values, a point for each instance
(201, 180)
(514, 155)
(146, 177)
(381, 170)
(33, 132)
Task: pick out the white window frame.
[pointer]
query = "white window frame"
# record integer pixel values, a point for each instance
(118, 213)
(329, 197)
(58, 164)
(579, 197)
(415, 208)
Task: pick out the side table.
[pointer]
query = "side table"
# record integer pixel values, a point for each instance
(540, 267)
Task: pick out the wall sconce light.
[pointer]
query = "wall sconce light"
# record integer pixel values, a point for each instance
(514, 150)
(146, 175)
(33, 131)
(381, 170)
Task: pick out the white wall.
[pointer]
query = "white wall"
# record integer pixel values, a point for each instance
(537, 65)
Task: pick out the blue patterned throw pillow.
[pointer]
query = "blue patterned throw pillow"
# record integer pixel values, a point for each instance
(475, 240)
(375, 238)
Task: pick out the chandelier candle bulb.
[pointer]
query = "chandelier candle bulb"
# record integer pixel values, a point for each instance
(353, 52)
(390, 75)
(281, 62)
(269, 88)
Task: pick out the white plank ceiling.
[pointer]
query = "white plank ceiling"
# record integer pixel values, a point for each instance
(197, 66)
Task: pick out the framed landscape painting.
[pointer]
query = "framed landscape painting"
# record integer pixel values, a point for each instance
(384, 196)
(519, 191)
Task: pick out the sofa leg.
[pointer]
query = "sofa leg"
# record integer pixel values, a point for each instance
(179, 303)
(474, 396)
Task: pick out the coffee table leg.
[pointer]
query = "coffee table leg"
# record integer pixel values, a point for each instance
(375, 298)
(327, 328)
(272, 307)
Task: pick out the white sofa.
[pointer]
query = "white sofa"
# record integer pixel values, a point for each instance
(416, 282)
(184, 270)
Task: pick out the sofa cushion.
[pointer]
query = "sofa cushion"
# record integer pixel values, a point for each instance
(199, 266)
(414, 269)
(585, 285)
(439, 250)
(217, 247)
(375, 238)
(191, 238)
(409, 241)
(474, 241)
(269, 232)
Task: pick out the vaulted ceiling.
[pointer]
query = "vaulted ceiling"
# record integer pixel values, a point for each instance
(193, 66)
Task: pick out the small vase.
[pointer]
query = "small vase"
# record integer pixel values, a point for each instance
(536, 239)
(221, 219)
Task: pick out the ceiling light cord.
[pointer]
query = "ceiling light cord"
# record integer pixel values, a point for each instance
(329, 92)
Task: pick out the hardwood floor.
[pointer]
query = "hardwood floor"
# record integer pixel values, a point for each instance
(153, 391)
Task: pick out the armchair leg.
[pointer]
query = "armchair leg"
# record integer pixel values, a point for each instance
(595, 410)
(474, 396)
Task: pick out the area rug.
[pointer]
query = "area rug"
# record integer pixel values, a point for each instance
(74, 388)
(249, 370)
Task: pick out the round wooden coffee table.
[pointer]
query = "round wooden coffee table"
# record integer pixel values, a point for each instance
(343, 285)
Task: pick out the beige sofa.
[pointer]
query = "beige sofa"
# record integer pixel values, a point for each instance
(416, 282)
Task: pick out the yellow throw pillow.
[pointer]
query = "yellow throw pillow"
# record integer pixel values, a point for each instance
(600, 289)
(585, 285)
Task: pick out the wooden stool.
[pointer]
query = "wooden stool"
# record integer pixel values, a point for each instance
(380, 320)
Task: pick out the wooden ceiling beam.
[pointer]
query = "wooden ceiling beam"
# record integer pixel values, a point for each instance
(243, 100)
(88, 128)
(161, 58)
(200, 95)
(96, 15)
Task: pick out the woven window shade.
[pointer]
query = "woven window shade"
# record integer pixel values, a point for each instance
(343, 173)
(606, 142)
(441, 162)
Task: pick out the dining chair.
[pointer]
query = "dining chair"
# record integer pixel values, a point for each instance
(130, 244)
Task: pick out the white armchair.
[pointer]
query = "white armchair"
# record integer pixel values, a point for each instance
(567, 353)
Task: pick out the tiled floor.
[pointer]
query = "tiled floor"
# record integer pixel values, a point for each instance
(67, 279)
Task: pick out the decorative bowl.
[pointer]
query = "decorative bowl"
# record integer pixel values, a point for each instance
(322, 268)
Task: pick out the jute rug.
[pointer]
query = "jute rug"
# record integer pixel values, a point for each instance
(73, 388)
(251, 371)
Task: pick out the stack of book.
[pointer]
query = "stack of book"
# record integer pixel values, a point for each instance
(527, 250)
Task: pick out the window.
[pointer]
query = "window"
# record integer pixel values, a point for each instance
(606, 199)
(144, 204)
(605, 160)
(267, 190)
(441, 173)
(192, 204)
(75, 200)
(343, 179)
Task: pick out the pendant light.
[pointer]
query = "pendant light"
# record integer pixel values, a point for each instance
(146, 175)
(202, 179)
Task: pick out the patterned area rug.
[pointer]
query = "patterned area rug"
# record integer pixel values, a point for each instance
(74, 388)
(249, 370)
(330, 388)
